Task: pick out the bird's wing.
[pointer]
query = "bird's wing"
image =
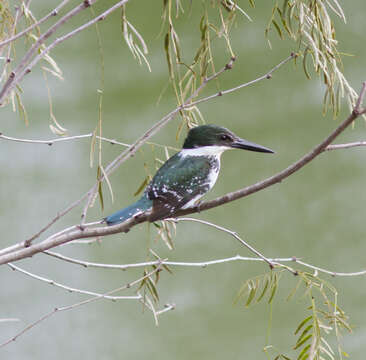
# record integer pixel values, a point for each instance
(177, 182)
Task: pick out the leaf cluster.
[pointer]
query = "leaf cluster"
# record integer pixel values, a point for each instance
(324, 317)
(309, 23)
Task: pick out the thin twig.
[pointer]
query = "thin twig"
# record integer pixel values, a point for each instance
(77, 137)
(277, 178)
(128, 224)
(268, 75)
(125, 226)
(345, 146)
(332, 273)
(50, 142)
(12, 32)
(9, 320)
(54, 12)
(68, 288)
(232, 233)
(358, 108)
(119, 159)
(148, 134)
(73, 306)
(167, 307)
(62, 139)
(26, 65)
(78, 234)
(201, 264)
(20, 70)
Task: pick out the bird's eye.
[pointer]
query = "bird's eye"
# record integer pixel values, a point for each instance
(225, 137)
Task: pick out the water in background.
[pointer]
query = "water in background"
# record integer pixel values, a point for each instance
(317, 214)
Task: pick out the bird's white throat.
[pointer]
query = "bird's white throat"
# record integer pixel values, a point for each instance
(204, 151)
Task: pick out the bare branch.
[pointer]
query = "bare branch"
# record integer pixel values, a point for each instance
(81, 233)
(25, 66)
(268, 75)
(358, 108)
(75, 305)
(232, 233)
(68, 288)
(345, 146)
(12, 32)
(148, 134)
(132, 150)
(200, 264)
(54, 12)
(284, 173)
(332, 273)
(16, 75)
(9, 320)
(50, 142)
(61, 139)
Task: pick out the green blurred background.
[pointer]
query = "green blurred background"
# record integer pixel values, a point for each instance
(316, 214)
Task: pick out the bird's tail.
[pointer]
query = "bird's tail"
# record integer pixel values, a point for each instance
(137, 208)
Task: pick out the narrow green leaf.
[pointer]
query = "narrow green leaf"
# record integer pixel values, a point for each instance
(168, 56)
(285, 357)
(284, 24)
(303, 341)
(303, 334)
(252, 292)
(108, 182)
(152, 289)
(142, 186)
(22, 110)
(265, 287)
(274, 288)
(304, 63)
(100, 190)
(167, 268)
(176, 45)
(277, 28)
(293, 291)
(302, 324)
(92, 147)
(304, 352)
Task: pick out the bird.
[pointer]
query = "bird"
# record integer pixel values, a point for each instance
(186, 176)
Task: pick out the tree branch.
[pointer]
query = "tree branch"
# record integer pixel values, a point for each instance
(123, 267)
(345, 146)
(70, 289)
(81, 233)
(132, 150)
(16, 75)
(54, 12)
(232, 233)
(148, 134)
(26, 65)
(17, 15)
(286, 172)
(73, 306)
(200, 264)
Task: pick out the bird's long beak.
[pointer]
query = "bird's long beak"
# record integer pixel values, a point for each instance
(247, 145)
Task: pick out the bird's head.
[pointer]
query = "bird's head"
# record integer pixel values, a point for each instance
(213, 135)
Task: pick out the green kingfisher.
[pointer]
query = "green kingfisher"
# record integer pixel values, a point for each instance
(187, 175)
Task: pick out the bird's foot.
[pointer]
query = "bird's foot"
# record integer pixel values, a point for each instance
(198, 206)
